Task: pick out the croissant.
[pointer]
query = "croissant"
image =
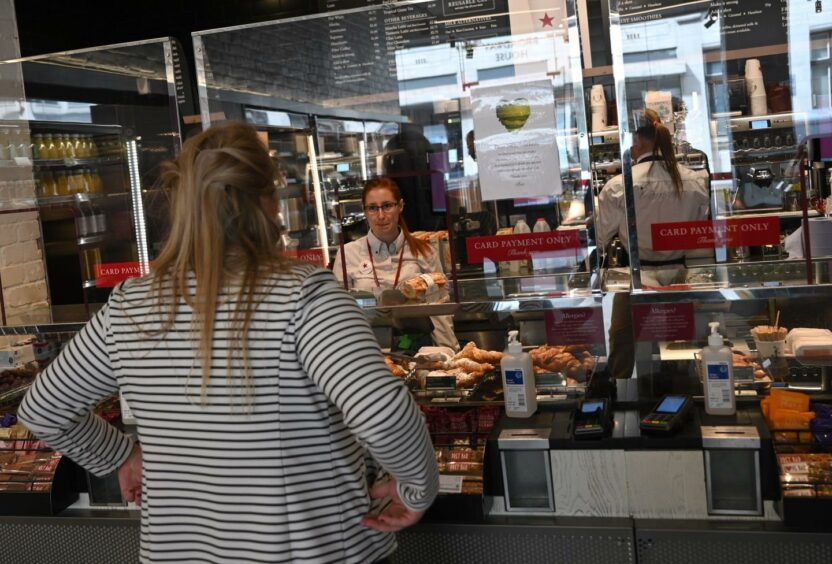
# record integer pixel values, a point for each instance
(397, 370)
(471, 351)
(417, 286)
(473, 367)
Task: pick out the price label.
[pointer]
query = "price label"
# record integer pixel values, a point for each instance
(450, 484)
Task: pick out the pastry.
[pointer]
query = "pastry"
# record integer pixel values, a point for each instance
(417, 286)
(471, 351)
(473, 367)
(397, 370)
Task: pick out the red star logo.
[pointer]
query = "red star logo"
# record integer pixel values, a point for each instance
(364, 265)
(546, 20)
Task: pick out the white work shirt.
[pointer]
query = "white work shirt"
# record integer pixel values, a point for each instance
(656, 201)
(385, 259)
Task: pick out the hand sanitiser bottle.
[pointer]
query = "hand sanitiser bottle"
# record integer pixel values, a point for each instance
(518, 379)
(718, 375)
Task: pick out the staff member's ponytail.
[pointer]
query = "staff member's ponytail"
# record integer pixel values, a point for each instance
(659, 135)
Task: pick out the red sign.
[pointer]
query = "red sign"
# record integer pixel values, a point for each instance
(574, 326)
(314, 256)
(664, 322)
(734, 232)
(521, 246)
(109, 274)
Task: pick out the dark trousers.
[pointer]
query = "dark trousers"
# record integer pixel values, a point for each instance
(621, 359)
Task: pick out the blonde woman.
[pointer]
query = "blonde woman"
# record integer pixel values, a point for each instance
(258, 388)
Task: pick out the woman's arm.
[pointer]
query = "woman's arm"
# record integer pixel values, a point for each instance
(57, 406)
(340, 354)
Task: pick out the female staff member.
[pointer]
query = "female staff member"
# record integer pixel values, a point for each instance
(389, 254)
(663, 192)
(256, 382)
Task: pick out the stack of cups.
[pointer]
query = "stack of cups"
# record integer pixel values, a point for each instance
(598, 106)
(755, 87)
(770, 340)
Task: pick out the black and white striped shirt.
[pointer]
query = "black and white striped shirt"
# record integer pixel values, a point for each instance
(284, 480)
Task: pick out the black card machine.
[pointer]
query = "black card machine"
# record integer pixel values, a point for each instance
(668, 416)
(592, 420)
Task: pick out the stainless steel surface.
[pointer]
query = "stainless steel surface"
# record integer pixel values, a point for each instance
(524, 439)
(729, 467)
(527, 480)
(730, 436)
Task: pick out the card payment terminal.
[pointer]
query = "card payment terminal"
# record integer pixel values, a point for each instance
(668, 415)
(592, 420)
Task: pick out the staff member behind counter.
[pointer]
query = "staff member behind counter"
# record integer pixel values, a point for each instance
(663, 191)
(389, 254)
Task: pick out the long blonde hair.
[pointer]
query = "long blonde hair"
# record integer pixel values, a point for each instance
(221, 234)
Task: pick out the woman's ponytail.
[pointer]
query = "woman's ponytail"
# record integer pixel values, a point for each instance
(655, 131)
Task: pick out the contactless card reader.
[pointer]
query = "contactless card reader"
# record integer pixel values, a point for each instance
(668, 416)
(592, 420)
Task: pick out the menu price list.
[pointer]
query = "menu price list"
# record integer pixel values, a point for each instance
(743, 23)
(361, 41)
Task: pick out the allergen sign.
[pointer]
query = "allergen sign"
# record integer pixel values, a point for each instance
(521, 246)
(664, 322)
(574, 326)
(735, 232)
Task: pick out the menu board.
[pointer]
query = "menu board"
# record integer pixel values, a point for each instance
(364, 42)
(744, 24)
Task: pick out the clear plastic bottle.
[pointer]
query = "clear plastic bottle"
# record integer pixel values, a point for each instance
(718, 375)
(541, 263)
(518, 379)
(520, 227)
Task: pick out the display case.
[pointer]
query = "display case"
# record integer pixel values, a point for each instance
(83, 137)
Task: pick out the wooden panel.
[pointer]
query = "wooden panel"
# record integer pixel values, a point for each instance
(590, 483)
(666, 484)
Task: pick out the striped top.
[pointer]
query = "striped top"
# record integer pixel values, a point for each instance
(283, 480)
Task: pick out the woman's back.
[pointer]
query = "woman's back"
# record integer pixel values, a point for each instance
(274, 473)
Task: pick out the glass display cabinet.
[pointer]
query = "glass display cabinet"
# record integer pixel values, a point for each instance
(82, 138)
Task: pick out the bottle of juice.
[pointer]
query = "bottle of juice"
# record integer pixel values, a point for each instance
(92, 146)
(49, 151)
(47, 182)
(62, 183)
(60, 147)
(76, 146)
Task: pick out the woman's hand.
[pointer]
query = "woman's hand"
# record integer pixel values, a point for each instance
(130, 476)
(396, 517)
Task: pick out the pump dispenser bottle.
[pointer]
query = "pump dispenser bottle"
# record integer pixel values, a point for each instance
(718, 375)
(518, 379)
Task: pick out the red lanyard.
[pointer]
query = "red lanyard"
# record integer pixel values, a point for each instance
(398, 270)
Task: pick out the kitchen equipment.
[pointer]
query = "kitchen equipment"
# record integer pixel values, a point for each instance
(760, 191)
(293, 213)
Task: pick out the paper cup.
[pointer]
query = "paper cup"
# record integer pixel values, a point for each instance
(768, 349)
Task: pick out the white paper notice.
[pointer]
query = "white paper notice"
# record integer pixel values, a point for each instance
(450, 484)
(515, 136)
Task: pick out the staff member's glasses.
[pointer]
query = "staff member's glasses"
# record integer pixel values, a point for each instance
(386, 207)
